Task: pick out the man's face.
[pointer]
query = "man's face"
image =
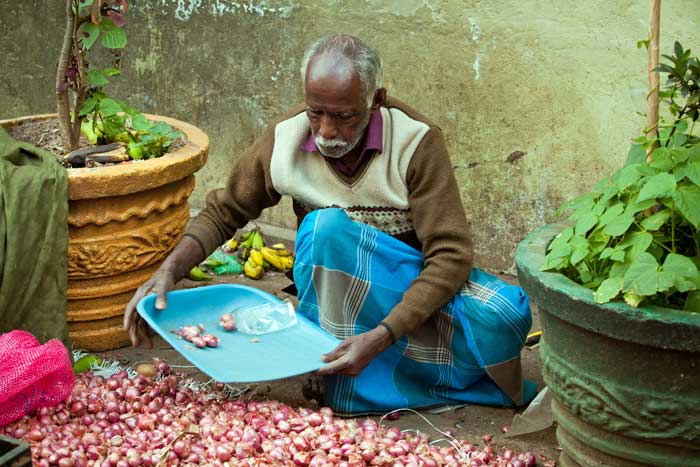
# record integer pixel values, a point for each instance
(335, 105)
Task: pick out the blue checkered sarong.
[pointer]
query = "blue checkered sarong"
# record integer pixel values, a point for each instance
(350, 275)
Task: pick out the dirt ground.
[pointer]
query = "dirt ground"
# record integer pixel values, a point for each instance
(469, 423)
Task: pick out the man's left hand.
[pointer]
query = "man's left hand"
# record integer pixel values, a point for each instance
(355, 353)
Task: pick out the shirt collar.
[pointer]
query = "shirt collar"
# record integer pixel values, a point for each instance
(373, 141)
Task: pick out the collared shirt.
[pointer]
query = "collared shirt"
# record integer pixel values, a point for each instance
(373, 142)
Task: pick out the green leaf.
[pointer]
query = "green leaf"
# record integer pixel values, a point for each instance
(638, 206)
(658, 186)
(161, 128)
(626, 176)
(687, 200)
(82, 5)
(597, 241)
(110, 71)
(642, 276)
(580, 249)
(633, 299)
(636, 155)
(96, 78)
(584, 273)
(679, 154)
(113, 37)
(113, 126)
(619, 225)
(655, 221)
(691, 171)
(638, 242)
(88, 106)
(612, 213)
(643, 43)
(692, 301)
(608, 290)
(109, 107)
(559, 251)
(661, 159)
(88, 34)
(585, 223)
(140, 123)
(683, 271)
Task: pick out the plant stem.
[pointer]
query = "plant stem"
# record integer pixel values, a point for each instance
(673, 226)
(62, 97)
(681, 114)
(81, 87)
(653, 76)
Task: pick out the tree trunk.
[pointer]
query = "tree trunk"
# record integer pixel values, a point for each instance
(653, 76)
(62, 93)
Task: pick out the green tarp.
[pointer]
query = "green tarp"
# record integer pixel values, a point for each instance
(33, 240)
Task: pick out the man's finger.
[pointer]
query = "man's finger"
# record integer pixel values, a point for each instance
(142, 330)
(335, 366)
(335, 353)
(161, 298)
(130, 311)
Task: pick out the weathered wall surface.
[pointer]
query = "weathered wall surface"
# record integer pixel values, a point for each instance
(558, 80)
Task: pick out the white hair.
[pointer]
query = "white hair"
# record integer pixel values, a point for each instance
(364, 59)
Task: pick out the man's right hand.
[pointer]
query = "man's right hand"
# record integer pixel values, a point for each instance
(162, 281)
(187, 254)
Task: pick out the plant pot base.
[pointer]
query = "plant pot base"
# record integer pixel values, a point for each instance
(580, 440)
(98, 335)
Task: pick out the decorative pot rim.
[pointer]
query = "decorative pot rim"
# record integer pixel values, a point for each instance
(650, 325)
(99, 182)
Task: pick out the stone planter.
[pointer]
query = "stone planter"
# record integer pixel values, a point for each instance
(123, 221)
(626, 381)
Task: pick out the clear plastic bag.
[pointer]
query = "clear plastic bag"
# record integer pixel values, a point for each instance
(265, 318)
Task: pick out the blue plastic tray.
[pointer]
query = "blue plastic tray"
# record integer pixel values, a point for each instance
(281, 354)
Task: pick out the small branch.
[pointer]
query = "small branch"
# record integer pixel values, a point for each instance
(81, 88)
(653, 76)
(62, 97)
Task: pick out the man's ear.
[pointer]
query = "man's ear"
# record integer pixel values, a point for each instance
(379, 99)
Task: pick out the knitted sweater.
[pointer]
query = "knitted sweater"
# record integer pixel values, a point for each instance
(408, 191)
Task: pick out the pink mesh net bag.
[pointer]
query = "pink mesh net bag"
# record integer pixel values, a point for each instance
(32, 375)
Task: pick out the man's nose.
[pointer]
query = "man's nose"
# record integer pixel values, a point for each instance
(328, 129)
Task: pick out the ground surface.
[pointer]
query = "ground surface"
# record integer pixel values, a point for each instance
(470, 423)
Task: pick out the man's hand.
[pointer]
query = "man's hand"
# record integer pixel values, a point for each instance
(355, 353)
(187, 254)
(162, 281)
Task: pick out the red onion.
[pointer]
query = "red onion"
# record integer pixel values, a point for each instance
(123, 422)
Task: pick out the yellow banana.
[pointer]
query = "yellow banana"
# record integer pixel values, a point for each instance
(256, 257)
(232, 244)
(271, 257)
(281, 252)
(252, 270)
(288, 262)
(279, 246)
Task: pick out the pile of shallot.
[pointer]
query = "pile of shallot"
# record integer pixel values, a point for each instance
(142, 421)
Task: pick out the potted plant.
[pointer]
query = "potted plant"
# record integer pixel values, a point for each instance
(618, 288)
(125, 216)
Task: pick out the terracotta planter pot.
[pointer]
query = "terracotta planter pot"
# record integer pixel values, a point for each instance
(626, 381)
(123, 221)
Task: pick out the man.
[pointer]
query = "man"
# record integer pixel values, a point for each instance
(386, 269)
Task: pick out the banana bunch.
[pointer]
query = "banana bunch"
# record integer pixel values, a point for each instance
(278, 257)
(256, 257)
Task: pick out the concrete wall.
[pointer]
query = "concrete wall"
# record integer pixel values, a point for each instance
(560, 80)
